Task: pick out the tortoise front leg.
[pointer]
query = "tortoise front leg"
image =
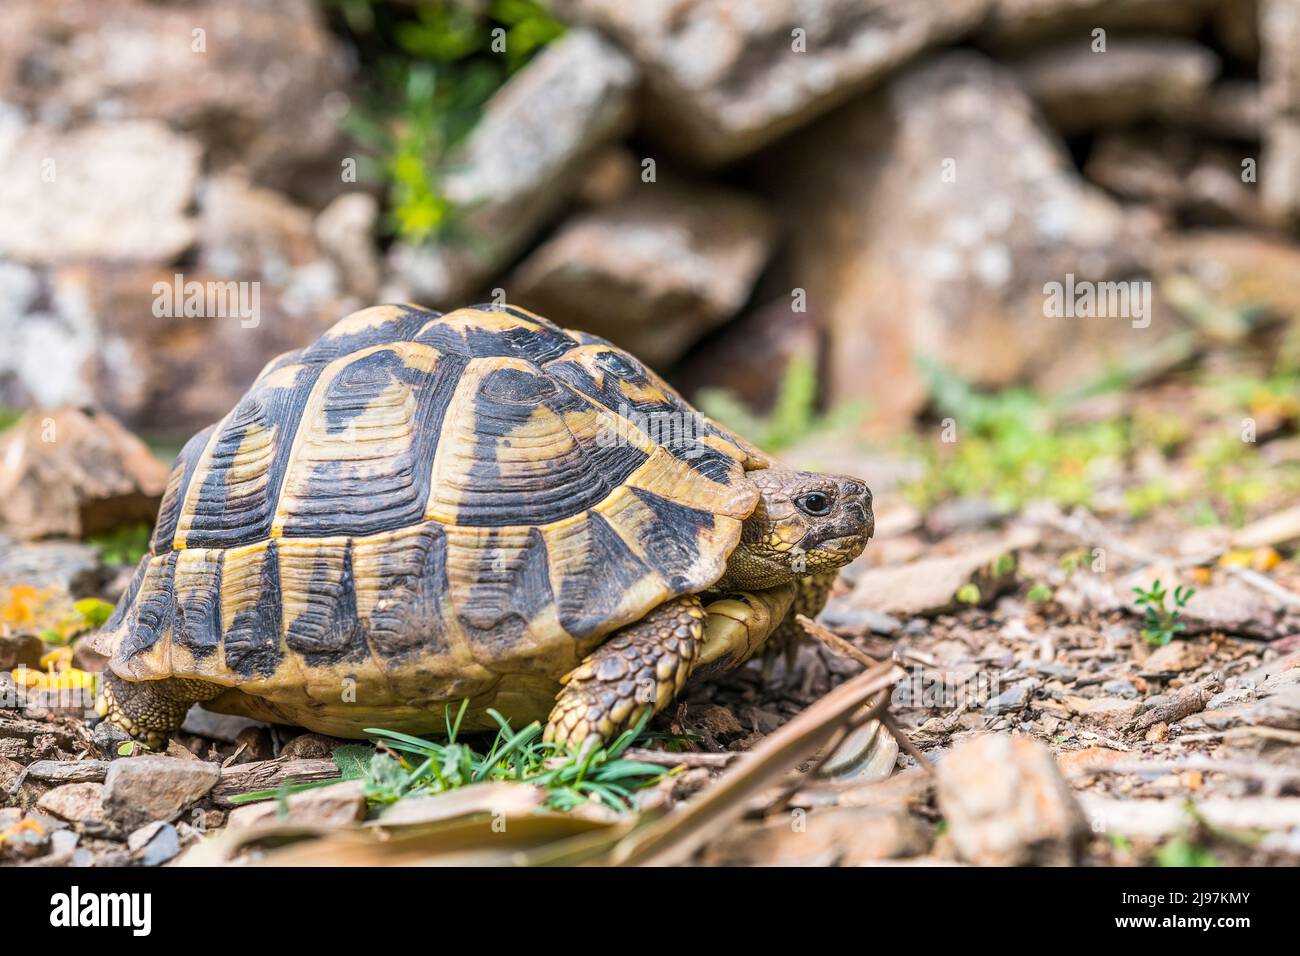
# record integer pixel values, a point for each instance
(645, 665)
(150, 711)
(814, 590)
(641, 667)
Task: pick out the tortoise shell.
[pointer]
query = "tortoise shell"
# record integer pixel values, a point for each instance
(429, 507)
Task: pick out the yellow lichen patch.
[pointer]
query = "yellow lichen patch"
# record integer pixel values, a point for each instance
(1258, 559)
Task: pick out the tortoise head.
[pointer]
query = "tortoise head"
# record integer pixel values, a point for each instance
(804, 523)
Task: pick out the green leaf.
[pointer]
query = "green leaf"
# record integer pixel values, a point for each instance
(94, 611)
(353, 760)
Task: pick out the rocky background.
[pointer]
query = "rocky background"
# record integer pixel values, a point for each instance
(831, 222)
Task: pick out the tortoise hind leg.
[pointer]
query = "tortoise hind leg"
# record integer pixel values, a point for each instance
(641, 667)
(151, 710)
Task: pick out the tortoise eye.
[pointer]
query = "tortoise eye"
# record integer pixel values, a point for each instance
(815, 503)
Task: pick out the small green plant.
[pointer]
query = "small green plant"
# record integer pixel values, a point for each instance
(1040, 593)
(1161, 623)
(125, 545)
(794, 414)
(433, 66)
(1181, 852)
(408, 766)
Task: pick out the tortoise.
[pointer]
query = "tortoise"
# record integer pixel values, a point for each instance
(421, 509)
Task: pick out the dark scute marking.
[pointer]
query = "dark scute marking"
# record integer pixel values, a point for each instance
(198, 615)
(400, 328)
(252, 642)
(540, 344)
(571, 483)
(169, 512)
(671, 541)
(327, 631)
(225, 520)
(346, 501)
(671, 423)
(505, 595)
(589, 595)
(408, 617)
(155, 612)
(126, 604)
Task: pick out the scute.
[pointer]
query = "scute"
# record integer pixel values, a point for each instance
(423, 504)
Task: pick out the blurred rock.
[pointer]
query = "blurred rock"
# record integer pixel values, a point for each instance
(1231, 110)
(652, 273)
(748, 356)
(842, 836)
(1239, 271)
(1135, 78)
(521, 163)
(1175, 173)
(73, 473)
(726, 77)
(1026, 23)
(104, 191)
(1236, 27)
(336, 805)
(944, 200)
(65, 565)
(929, 586)
(1279, 70)
(345, 230)
(1007, 804)
(256, 80)
(74, 802)
(120, 336)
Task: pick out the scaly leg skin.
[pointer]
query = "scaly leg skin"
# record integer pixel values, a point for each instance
(150, 711)
(641, 667)
(739, 624)
(814, 590)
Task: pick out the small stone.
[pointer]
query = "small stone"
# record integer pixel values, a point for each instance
(338, 804)
(308, 747)
(68, 771)
(1007, 804)
(839, 616)
(25, 843)
(1009, 701)
(107, 738)
(1158, 733)
(75, 802)
(143, 789)
(155, 843)
(1111, 713)
(1119, 688)
(1175, 657)
(1059, 671)
(223, 727)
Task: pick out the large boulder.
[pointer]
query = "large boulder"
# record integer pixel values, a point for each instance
(1279, 69)
(1136, 77)
(726, 77)
(118, 335)
(521, 163)
(653, 272)
(255, 80)
(76, 474)
(927, 221)
(113, 191)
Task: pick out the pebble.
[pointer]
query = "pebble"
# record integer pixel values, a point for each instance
(1119, 688)
(154, 843)
(1009, 701)
(140, 790)
(75, 802)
